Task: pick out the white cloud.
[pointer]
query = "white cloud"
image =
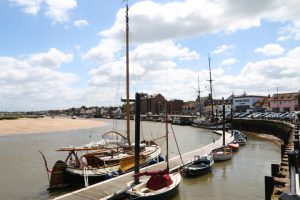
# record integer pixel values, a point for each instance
(53, 58)
(29, 6)
(230, 61)
(104, 51)
(222, 48)
(270, 50)
(27, 86)
(291, 31)
(153, 69)
(58, 10)
(262, 77)
(80, 23)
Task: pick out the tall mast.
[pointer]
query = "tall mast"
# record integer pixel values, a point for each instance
(199, 91)
(210, 84)
(127, 76)
(167, 141)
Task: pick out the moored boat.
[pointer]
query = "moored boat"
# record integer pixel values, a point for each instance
(221, 154)
(161, 184)
(199, 166)
(234, 146)
(91, 164)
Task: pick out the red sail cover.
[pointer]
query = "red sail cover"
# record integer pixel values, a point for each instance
(158, 180)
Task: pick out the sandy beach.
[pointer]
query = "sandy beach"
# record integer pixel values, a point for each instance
(46, 124)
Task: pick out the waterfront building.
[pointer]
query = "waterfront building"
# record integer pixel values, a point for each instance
(199, 104)
(155, 103)
(245, 102)
(263, 105)
(175, 106)
(218, 106)
(188, 107)
(285, 102)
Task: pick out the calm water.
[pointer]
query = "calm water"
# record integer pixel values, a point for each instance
(23, 174)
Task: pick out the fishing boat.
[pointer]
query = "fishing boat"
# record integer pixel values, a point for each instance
(160, 184)
(199, 166)
(109, 157)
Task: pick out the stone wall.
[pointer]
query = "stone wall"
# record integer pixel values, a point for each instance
(279, 129)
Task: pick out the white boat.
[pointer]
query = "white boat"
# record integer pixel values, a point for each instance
(161, 184)
(221, 154)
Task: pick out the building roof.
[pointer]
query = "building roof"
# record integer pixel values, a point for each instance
(286, 96)
(248, 96)
(264, 102)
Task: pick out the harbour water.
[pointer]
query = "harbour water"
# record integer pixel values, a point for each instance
(23, 175)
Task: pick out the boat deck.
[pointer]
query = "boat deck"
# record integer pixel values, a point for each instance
(106, 189)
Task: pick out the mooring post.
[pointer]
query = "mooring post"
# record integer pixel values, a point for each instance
(137, 137)
(296, 145)
(274, 169)
(288, 196)
(269, 186)
(293, 169)
(283, 147)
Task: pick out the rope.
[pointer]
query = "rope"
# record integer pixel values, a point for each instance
(177, 145)
(85, 175)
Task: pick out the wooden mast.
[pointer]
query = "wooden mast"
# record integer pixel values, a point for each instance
(127, 76)
(199, 92)
(210, 84)
(167, 141)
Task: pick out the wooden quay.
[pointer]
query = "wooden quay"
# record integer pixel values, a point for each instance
(106, 189)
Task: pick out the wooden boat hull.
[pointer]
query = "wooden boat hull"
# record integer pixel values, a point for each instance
(65, 175)
(221, 154)
(78, 179)
(222, 157)
(199, 166)
(190, 172)
(58, 176)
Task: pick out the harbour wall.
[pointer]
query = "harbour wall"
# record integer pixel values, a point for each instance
(283, 184)
(279, 129)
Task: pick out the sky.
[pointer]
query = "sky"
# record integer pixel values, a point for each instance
(58, 54)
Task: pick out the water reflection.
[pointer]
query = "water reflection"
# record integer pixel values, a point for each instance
(23, 174)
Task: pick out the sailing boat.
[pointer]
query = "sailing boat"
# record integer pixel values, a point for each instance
(111, 156)
(213, 121)
(161, 184)
(225, 152)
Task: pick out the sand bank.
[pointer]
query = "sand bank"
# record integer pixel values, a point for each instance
(46, 124)
(264, 136)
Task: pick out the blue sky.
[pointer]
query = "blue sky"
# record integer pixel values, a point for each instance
(68, 53)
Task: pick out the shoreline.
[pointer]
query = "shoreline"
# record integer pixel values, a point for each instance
(264, 136)
(45, 125)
